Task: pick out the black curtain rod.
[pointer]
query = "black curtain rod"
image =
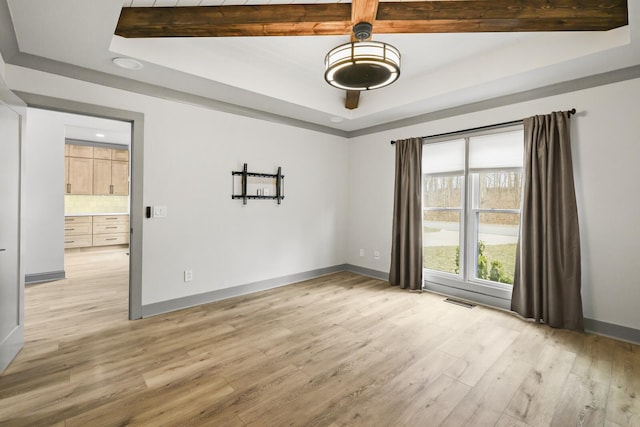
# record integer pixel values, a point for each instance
(513, 122)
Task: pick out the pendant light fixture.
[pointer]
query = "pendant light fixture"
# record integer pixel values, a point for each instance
(362, 65)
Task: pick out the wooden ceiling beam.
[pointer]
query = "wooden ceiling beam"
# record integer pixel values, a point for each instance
(229, 21)
(352, 99)
(363, 11)
(391, 17)
(500, 15)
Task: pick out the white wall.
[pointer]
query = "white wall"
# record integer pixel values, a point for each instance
(606, 154)
(189, 155)
(44, 192)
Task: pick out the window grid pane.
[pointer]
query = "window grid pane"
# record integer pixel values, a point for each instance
(497, 238)
(498, 189)
(441, 240)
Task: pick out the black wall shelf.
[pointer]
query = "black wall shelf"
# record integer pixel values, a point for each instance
(245, 175)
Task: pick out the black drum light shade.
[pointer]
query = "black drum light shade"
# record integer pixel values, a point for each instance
(362, 65)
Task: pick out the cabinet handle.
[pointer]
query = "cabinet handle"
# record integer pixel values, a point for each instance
(112, 238)
(2, 250)
(69, 241)
(112, 218)
(68, 188)
(69, 229)
(69, 219)
(115, 226)
(111, 189)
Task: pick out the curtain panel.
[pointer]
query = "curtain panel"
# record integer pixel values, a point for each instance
(406, 243)
(547, 277)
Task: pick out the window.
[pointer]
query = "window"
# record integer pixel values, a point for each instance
(472, 190)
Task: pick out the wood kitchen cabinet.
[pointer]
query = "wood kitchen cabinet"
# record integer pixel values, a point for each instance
(78, 231)
(96, 170)
(74, 150)
(110, 177)
(102, 153)
(120, 155)
(110, 230)
(96, 230)
(78, 173)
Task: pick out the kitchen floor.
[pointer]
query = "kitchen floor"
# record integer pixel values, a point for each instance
(94, 295)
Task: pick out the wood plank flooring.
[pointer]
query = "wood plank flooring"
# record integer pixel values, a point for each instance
(340, 350)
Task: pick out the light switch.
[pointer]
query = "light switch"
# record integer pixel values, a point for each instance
(159, 211)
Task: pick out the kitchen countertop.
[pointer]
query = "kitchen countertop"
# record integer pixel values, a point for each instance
(97, 214)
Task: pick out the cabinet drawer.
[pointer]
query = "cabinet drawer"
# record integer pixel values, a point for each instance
(105, 219)
(77, 219)
(81, 241)
(72, 229)
(110, 239)
(111, 227)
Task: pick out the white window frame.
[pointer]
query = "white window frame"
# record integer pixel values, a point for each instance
(468, 238)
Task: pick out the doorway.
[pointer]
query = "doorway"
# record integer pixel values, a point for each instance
(136, 121)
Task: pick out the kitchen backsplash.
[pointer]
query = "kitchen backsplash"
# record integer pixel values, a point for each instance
(96, 204)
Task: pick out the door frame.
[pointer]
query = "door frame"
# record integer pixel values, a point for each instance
(136, 212)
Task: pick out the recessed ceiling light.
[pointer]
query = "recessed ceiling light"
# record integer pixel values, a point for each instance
(128, 63)
(337, 119)
(100, 135)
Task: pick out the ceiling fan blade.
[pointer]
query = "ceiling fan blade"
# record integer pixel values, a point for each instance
(392, 17)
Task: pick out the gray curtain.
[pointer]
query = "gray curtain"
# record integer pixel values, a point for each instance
(547, 278)
(406, 243)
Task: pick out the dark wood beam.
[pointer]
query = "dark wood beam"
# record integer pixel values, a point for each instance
(363, 11)
(392, 17)
(352, 99)
(229, 21)
(500, 16)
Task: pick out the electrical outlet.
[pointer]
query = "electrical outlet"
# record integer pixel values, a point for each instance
(361, 252)
(188, 275)
(376, 255)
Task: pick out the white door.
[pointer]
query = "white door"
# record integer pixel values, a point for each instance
(11, 287)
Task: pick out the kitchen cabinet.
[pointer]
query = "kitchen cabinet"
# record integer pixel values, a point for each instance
(110, 177)
(78, 175)
(74, 150)
(120, 155)
(96, 230)
(78, 231)
(96, 170)
(110, 230)
(119, 178)
(102, 153)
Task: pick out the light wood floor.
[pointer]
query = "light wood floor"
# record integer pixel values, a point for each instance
(341, 350)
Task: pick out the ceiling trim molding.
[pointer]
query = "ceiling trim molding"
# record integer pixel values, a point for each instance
(123, 83)
(588, 82)
(118, 82)
(8, 39)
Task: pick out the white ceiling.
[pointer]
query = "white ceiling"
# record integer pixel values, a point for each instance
(284, 75)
